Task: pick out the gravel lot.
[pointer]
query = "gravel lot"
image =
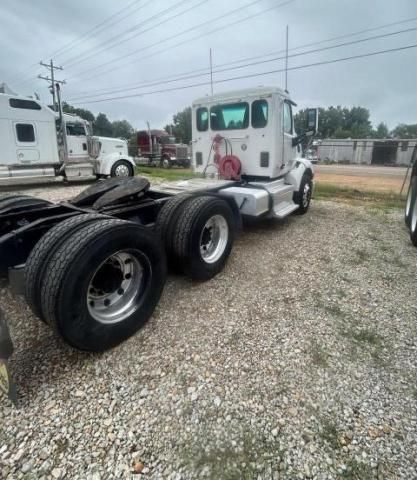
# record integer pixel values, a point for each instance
(298, 361)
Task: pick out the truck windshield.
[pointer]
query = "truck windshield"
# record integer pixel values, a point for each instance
(167, 140)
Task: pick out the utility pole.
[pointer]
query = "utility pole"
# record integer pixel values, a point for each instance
(51, 79)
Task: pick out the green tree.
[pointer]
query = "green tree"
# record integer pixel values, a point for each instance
(81, 112)
(405, 131)
(102, 126)
(181, 126)
(381, 131)
(338, 122)
(122, 129)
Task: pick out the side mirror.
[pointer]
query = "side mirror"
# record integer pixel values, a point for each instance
(312, 121)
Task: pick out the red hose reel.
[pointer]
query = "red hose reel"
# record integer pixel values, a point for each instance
(229, 166)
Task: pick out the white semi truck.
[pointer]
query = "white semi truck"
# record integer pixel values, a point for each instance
(39, 144)
(94, 268)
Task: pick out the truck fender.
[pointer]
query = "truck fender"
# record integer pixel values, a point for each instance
(295, 175)
(106, 163)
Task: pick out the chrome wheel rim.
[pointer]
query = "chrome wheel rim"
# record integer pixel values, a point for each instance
(213, 238)
(306, 195)
(165, 163)
(122, 170)
(116, 287)
(414, 216)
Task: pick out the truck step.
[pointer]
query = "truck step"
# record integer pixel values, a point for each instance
(284, 209)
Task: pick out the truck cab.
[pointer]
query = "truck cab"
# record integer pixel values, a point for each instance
(256, 125)
(39, 144)
(161, 148)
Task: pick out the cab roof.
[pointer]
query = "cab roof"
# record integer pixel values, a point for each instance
(236, 95)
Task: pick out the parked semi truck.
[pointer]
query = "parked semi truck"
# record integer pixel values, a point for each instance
(39, 144)
(161, 149)
(94, 267)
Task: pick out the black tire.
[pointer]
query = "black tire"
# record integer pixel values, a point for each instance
(191, 236)
(303, 196)
(411, 194)
(126, 167)
(73, 272)
(18, 201)
(413, 221)
(37, 261)
(167, 218)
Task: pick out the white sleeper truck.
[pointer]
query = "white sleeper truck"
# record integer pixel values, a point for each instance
(94, 268)
(39, 144)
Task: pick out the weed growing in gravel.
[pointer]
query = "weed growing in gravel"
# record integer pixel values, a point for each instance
(357, 471)
(396, 261)
(361, 256)
(249, 456)
(319, 355)
(367, 336)
(329, 433)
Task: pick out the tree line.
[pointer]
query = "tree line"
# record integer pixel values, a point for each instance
(354, 122)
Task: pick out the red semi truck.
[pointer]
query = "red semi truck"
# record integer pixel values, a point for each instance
(160, 148)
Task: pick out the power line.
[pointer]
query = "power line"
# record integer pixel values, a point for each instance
(205, 70)
(231, 12)
(258, 62)
(241, 77)
(75, 60)
(110, 20)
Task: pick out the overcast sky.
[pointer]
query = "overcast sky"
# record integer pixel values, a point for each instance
(157, 50)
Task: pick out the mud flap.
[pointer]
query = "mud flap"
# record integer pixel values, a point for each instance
(6, 350)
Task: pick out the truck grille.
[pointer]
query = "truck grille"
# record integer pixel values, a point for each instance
(182, 152)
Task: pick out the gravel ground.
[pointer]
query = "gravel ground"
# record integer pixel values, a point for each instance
(298, 361)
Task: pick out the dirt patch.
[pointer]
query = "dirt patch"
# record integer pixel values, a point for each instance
(374, 183)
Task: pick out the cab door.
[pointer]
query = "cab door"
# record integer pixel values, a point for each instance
(288, 151)
(76, 141)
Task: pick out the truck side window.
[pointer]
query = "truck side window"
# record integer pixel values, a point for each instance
(75, 129)
(202, 119)
(25, 132)
(287, 118)
(232, 116)
(259, 113)
(25, 104)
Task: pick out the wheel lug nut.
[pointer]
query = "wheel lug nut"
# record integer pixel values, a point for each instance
(106, 302)
(128, 275)
(120, 291)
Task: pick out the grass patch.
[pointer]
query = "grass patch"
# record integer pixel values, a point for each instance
(167, 173)
(357, 471)
(385, 201)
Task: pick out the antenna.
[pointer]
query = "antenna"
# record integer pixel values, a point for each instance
(211, 72)
(286, 62)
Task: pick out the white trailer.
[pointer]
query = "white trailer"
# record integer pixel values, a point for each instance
(38, 144)
(94, 268)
